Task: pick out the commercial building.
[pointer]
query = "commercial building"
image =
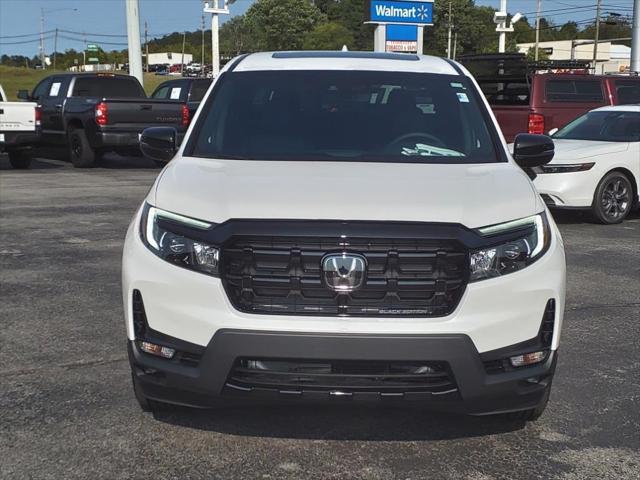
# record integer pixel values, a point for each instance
(612, 58)
(171, 58)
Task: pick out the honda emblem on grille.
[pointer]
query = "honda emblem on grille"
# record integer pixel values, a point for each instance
(344, 272)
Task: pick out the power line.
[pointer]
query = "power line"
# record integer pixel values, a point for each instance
(37, 34)
(23, 42)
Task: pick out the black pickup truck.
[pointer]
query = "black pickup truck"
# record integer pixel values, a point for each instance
(188, 90)
(94, 113)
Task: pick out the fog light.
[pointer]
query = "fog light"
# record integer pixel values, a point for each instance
(528, 359)
(157, 350)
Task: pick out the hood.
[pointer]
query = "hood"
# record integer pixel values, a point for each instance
(568, 151)
(219, 190)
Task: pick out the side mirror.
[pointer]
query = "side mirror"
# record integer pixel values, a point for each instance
(23, 95)
(553, 131)
(159, 143)
(532, 150)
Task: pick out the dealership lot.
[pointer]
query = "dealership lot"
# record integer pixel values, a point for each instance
(67, 409)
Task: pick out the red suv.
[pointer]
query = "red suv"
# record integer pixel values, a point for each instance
(525, 100)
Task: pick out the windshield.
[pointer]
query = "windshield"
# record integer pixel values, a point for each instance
(605, 126)
(344, 115)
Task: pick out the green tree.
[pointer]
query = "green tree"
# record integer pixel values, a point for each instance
(352, 14)
(328, 36)
(234, 36)
(281, 24)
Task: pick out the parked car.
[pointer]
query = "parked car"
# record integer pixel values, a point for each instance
(539, 97)
(19, 130)
(597, 164)
(302, 245)
(185, 90)
(100, 112)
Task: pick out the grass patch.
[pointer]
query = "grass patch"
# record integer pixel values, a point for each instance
(15, 78)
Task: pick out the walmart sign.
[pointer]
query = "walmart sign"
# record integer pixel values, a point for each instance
(417, 13)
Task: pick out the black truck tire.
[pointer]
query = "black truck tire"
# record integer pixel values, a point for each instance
(81, 153)
(20, 159)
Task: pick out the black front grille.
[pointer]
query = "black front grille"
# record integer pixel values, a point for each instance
(344, 376)
(405, 277)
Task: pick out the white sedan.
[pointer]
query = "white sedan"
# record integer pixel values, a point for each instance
(596, 165)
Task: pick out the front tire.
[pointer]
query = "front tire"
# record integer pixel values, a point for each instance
(20, 159)
(81, 153)
(613, 198)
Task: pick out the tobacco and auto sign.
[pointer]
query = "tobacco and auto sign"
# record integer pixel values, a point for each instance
(413, 13)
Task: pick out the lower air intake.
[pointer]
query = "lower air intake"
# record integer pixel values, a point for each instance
(340, 375)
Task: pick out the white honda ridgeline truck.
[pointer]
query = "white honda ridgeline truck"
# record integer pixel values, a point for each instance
(344, 225)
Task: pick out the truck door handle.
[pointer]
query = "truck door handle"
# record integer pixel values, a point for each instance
(145, 107)
(1, 111)
(59, 106)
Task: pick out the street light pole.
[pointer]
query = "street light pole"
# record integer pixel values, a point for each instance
(215, 10)
(133, 37)
(502, 39)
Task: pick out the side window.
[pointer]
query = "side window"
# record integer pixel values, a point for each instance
(628, 91)
(577, 91)
(42, 89)
(162, 92)
(198, 89)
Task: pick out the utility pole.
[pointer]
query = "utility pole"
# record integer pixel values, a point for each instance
(184, 35)
(146, 45)
(55, 49)
(449, 34)
(538, 28)
(202, 56)
(595, 44)
(635, 40)
(455, 45)
(133, 37)
(42, 38)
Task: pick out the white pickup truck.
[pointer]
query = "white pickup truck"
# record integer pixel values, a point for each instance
(19, 130)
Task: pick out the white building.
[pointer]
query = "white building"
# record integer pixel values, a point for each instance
(171, 58)
(611, 58)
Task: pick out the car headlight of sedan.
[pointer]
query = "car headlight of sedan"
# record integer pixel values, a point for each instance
(565, 168)
(179, 240)
(522, 242)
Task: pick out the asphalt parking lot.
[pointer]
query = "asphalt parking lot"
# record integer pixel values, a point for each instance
(67, 409)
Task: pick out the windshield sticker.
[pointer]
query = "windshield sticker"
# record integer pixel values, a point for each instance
(457, 85)
(175, 93)
(462, 97)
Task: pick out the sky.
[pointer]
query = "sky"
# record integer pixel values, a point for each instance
(22, 17)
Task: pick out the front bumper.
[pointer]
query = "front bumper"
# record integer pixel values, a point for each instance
(193, 310)
(573, 190)
(476, 391)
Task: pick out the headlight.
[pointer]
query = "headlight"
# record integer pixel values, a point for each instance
(170, 237)
(528, 239)
(568, 168)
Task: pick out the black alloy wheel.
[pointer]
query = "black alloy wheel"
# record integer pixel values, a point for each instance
(613, 198)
